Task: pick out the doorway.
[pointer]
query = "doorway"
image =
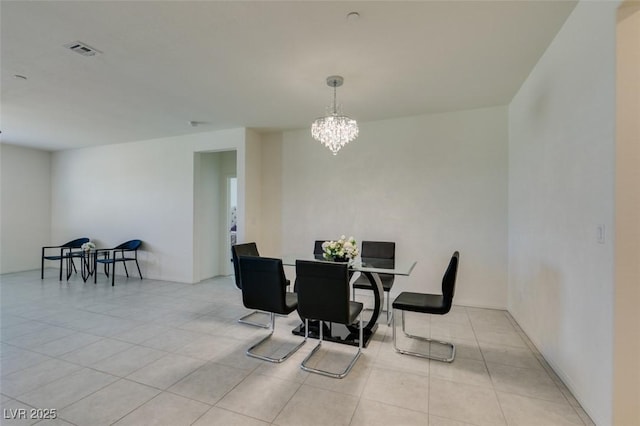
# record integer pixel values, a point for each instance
(213, 195)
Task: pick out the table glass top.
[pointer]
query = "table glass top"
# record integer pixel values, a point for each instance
(362, 264)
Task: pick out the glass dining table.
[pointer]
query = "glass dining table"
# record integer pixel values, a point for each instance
(370, 268)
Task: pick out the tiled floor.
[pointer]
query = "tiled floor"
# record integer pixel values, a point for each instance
(161, 353)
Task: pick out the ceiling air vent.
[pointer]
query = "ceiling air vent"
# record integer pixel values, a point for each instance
(81, 48)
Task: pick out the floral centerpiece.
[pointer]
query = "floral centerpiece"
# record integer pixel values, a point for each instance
(343, 250)
(88, 246)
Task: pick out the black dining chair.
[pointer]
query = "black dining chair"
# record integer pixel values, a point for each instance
(323, 295)
(67, 253)
(123, 253)
(377, 250)
(317, 247)
(264, 288)
(436, 304)
(245, 249)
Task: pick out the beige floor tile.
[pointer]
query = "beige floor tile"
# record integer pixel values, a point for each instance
(166, 371)
(506, 338)
(524, 411)
(40, 337)
(184, 339)
(220, 417)
(128, 361)
(508, 355)
(171, 340)
(67, 344)
(141, 333)
(68, 389)
(54, 422)
(535, 382)
(16, 413)
(18, 359)
(462, 370)
(389, 358)
(36, 376)
(95, 352)
(352, 384)
(108, 404)
(466, 403)
(236, 357)
(209, 383)
(441, 421)
(165, 409)
(374, 413)
(312, 406)
(289, 369)
(447, 331)
(399, 388)
(260, 397)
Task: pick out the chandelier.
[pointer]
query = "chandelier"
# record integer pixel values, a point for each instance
(334, 130)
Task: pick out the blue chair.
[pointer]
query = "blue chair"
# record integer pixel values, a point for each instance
(66, 253)
(110, 257)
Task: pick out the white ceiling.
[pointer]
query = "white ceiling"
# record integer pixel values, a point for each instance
(257, 64)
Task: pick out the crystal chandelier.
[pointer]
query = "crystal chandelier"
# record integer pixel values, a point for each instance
(334, 130)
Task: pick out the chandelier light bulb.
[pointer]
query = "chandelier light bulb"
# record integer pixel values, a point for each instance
(334, 130)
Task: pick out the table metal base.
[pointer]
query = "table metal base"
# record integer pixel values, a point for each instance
(338, 333)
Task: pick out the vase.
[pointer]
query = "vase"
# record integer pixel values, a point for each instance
(340, 259)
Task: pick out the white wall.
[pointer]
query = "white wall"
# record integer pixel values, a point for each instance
(432, 183)
(561, 177)
(626, 361)
(208, 197)
(271, 233)
(25, 208)
(142, 190)
(251, 186)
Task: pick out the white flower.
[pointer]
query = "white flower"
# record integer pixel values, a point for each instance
(88, 246)
(342, 248)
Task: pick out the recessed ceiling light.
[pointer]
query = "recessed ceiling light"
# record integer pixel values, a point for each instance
(82, 48)
(19, 77)
(353, 16)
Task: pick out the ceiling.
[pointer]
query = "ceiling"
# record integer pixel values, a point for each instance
(260, 64)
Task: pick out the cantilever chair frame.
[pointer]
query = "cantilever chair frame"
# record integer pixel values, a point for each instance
(69, 246)
(424, 339)
(448, 289)
(338, 375)
(272, 325)
(251, 250)
(126, 247)
(304, 365)
(280, 280)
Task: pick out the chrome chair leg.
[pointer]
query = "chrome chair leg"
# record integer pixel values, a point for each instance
(250, 352)
(389, 312)
(424, 339)
(335, 375)
(244, 320)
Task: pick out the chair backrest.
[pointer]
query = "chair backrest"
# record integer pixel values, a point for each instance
(317, 246)
(379, 249)
(449, 280)
(77, 243)
(237, 250)
(263, 283)
(129, 245)
(323, 290)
